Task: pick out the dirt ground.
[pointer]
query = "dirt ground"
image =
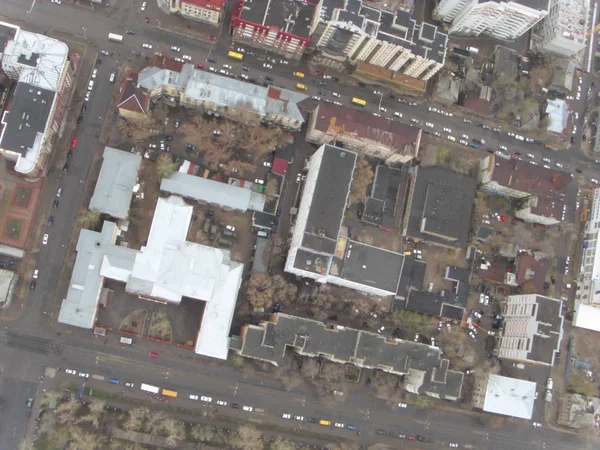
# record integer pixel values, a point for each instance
(184, 319)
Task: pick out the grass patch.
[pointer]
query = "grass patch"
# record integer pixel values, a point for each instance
(13, 229)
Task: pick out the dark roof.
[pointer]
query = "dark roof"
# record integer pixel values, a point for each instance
(263, 220)
(452, 311)
(389, 184)
(372, 266)
(549, 319)
(497, 269)
(293, 17)
(461, 277)
(312, 262)
(531, 268)
(442, 202)
(328, 202)
(506, 63)
(270, 340)
(259, 265)
(424, 302)
(285, 152)
(133, 98)
(413, 276)
(7, 33)
(341, 120)
(27, 115)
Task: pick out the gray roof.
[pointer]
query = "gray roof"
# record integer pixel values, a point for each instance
(389, 184)
(269, 342)
(215, 192)
(413, 276)
(425, 302)
(93, 249)
(290, 17)
(114, 188)
(225, 91)
(329, 198)
(372, 266)
(462, 288)
(263, 220)
(259, 265)
(27, 117)
(442, 204)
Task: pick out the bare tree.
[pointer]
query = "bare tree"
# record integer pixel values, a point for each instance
(203, 433)
(67, 410)
(80, 439)
(174, 431)
(248, 438)
(310, 367)
(263, 290)
(363, 176)
(135, 419)
(164, 166)
(89, 219)
(96, 410)
(153, 424)
(280, 444)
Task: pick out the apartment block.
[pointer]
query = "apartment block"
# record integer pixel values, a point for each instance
(588, 283)
(501, 20)
(564, 30)
(349, 31)
(208, 11)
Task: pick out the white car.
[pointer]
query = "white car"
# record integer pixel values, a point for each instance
(453, 445)
(299, 177)
(335, 94)
(84, 375)
(286, 416)
(241, 50)
(143, 6)
(447, 130)
(248, 408)
(259, 181)
(227, 66)
(267, 164)
(212, 69)
(230, 227)
(429, 124)
(36, 272)
(129, 384)
(283, 61)
(175, 49)
(339, 425)
(300, 418)
(88, 94)
(383, 109)
(463, 142)
(377, 93)
(481, 298)
(464, 136)
(193, 397)
(397, 114)
(186, 57)
(243, 76)
(148, 46)
(71, 371)
(45, 240)
(221, 403)
(452, 138)
(267, 66)
(537, 425)
(530, 155)
(402, 405)
(206, 399)
(94, 73)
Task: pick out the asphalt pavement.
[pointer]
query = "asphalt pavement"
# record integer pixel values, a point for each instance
(37, 345)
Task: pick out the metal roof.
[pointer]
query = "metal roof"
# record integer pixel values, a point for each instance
(509, 397)
(114, 188)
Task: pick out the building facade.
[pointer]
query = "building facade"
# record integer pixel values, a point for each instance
(588, 282)
(280, 27)
(43, 75)
(348, 31)
(208, 11)
(532, 330)
(501, 20)
(564, 30)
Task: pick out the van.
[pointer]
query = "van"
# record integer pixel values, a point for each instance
(126, 340)
(300, 86)
(111, 79)
(298, 74)
(325, 423)
(263, 233)
(473, 50)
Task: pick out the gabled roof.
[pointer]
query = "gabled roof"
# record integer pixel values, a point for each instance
(133, 98)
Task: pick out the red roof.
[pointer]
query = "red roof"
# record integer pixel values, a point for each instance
(341, 120)
(280, 166)
(215, 5)
(166, 62)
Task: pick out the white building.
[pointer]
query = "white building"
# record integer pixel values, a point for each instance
(532, 330)
(564, 30)
(588, 283)
(501, 20)
(503, 395)
(586, 316)
(167, 269)
(40, 67)
(347, 30)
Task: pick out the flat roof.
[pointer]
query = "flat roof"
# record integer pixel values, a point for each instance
(327, 197)
(290, 17)
(424, 302)
(389, 186)
(586, 316)
(25, 122)
(259, 264)
(372, 266)
(114, 188)
(509, 397)
(441, 206)
(413, 276)
(211, 191)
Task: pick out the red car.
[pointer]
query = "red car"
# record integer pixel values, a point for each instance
(153, 355)
(73, 142)
(410, 438)
(201, 66)
(319, 73)
(212, 38)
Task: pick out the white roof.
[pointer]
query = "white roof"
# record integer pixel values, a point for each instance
(114, 188)
(167, 268)
(586, 316)
(211, 191)
(509, 397)
(558, 115)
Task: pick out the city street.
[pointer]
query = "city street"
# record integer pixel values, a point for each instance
(32, 343)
